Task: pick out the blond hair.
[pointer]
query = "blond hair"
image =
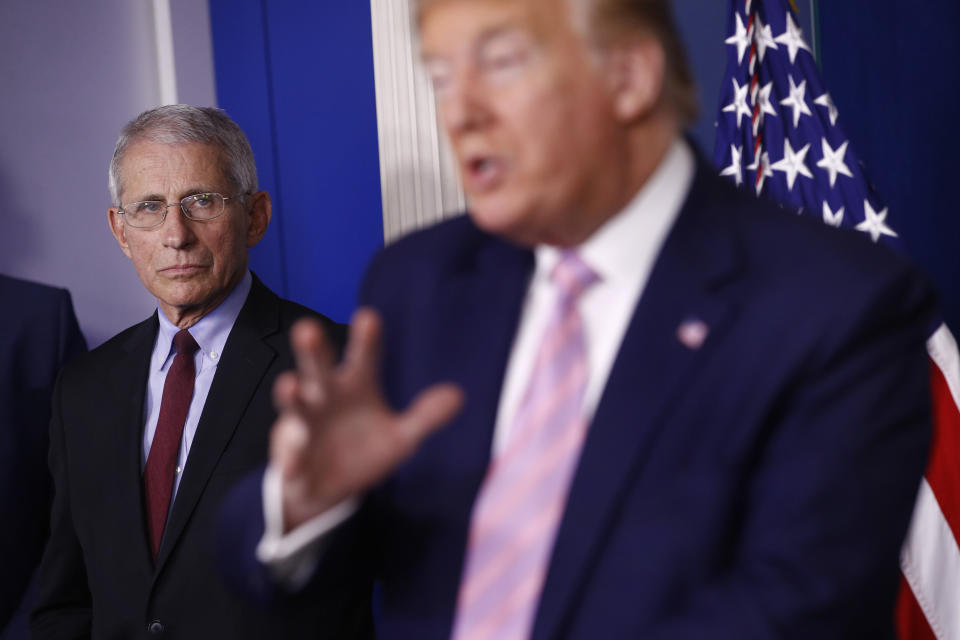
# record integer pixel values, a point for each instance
(612, 21)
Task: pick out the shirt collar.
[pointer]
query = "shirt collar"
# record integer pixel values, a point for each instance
(627, 245)
(210, 332)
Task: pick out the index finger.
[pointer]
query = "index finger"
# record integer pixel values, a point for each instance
(311, 351)
(361, 358)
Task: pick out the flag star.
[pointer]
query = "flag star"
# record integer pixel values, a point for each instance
(739, 38)
(792, 163)
(792, 38)
(875, 223)
(797, 100)
(739, 104)
(763, 37)
(826, 101)
(834, 219)
(762, 166)
(736, 167)
(832, 161)
(763, 101)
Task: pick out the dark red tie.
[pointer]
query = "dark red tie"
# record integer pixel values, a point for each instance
(158, 474)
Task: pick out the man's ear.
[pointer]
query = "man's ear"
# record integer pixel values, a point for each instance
(261, 210)
(637, 71)
(118, 229)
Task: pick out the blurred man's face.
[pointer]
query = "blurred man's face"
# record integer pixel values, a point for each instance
(190, 266)
(527, 107)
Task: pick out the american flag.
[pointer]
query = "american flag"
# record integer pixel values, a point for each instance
(779, 134)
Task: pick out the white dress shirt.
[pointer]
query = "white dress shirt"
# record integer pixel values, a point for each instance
(211, 333)
(622, 252)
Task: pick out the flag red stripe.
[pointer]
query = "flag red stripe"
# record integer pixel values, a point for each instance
(943, 472)
(910, 621)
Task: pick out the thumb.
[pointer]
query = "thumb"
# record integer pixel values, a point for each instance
(288, 442)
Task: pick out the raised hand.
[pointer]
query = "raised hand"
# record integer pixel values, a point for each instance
(336, 436)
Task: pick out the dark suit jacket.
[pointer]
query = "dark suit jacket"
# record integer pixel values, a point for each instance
(97, 576)
(38, 333)
(756, 487)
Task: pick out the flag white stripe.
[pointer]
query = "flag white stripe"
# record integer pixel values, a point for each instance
(942, 347)
(930, 561)
(930, 558)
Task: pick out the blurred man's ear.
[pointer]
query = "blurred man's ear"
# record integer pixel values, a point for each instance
(118, 229)
(637, 71)
(261, 210)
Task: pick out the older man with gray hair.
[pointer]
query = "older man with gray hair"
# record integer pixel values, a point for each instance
(150, 429)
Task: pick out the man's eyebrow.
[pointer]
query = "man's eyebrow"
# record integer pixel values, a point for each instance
(151, 197)
(491, 33)
(191, 191)
(197, 190)
(500, 31)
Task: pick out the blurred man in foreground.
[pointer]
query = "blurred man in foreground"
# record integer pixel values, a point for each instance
(671, 411)
(150, 429)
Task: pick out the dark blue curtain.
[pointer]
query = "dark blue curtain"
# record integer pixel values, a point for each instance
(298, 77)
(891, 68)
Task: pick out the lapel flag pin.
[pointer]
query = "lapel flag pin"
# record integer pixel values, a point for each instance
(691, 333)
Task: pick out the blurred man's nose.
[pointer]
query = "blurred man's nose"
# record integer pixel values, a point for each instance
(463, 106)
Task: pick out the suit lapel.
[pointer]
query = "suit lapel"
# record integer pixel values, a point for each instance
(689, 283)
(500, 279)
(129, 380)
(246, 358)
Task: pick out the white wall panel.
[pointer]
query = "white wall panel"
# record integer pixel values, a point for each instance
(417, 171)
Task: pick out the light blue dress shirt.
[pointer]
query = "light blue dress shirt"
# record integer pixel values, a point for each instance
(211, 333)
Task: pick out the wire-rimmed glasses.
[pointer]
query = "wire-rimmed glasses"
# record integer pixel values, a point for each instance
(152, 213)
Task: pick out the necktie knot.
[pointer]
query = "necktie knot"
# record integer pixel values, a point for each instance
(185, 343)
(572, 275)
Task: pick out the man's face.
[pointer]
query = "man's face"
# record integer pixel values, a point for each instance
(528, 110)
(190, 266)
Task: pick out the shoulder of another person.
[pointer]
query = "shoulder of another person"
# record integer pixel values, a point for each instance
(449, 240)
(454, 246)
(26, 294)
(781, 240)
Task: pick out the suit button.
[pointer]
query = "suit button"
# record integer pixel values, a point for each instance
(155, 628)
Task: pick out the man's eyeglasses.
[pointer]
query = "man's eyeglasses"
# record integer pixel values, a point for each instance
(152, 213)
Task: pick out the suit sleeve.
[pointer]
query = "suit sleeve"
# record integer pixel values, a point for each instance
(50, 337)
(830, 498)
(340, 586)
(63, 608)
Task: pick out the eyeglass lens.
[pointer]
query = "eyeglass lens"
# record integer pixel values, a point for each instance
(200, 206)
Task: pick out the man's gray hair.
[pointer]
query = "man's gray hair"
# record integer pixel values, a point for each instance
(183, 123)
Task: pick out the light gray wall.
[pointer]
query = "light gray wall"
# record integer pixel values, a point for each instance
(71, 74)
(193, 52)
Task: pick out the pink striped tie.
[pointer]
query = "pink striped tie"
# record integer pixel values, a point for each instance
(518, 509)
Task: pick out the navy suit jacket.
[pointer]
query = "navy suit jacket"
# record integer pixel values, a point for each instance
(38, 333)
(758, 486)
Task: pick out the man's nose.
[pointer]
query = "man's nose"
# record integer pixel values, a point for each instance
(177, 229)
(462, 106)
